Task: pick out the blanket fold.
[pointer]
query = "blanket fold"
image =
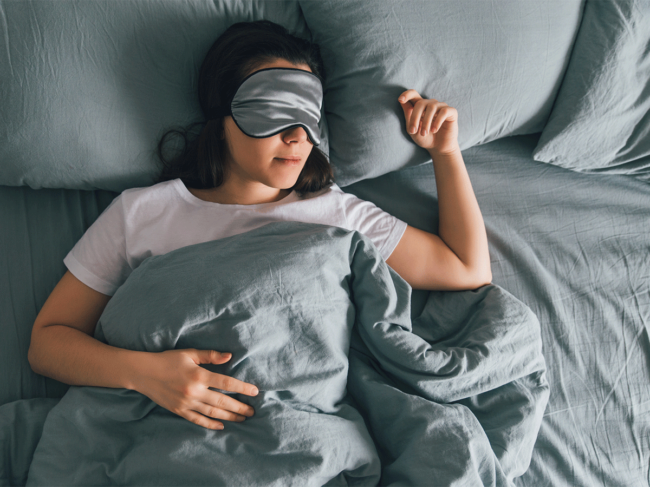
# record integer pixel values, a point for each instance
(352, 392)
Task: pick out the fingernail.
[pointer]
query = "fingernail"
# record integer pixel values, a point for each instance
(255, 391)
(227, 355)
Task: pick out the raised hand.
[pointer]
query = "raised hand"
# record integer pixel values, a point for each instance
(433, 125)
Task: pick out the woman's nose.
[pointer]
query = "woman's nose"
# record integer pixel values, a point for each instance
(298, 134)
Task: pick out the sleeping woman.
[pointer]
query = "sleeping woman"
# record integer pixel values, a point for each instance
(252, 162)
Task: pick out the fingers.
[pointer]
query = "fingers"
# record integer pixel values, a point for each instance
(210, 356)
(220, 381)
(201, 420)
(216, 412)
(422, 116)
(445, 114)
(429, 115)
(213, 404)
(208, 412)
(415, 121)
(230, 384)
(227, 403)
(425, 116)
(409, 95)
(414, 106)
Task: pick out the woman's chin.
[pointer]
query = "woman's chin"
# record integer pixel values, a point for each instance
(284, 181)
(283, 184)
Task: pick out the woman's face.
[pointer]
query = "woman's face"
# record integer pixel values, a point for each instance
(259, 160)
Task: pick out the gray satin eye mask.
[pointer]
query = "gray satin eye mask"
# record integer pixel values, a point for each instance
(275, 99)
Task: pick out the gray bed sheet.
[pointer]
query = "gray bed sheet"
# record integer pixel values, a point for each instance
(574, 247)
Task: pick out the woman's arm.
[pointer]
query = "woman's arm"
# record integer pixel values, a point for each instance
(63, 347)
(458, 257)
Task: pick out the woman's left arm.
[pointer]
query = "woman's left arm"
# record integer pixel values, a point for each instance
(458, 257)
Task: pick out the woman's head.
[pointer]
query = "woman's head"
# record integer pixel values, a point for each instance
(221, 148)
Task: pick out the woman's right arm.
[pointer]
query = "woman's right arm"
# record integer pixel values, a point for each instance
(63, 347)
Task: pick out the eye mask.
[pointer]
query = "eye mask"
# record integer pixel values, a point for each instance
(272, 100)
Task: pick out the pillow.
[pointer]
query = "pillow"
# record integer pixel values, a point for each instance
(500, 64)
(601, 119)
(88, 87)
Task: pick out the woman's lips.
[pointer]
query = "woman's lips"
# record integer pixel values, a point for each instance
(292, 161)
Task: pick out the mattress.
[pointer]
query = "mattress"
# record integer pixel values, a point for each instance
(574, 247)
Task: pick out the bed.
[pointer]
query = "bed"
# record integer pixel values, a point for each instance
(553, 115)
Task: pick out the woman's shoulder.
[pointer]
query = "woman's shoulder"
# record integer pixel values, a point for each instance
(154, 191)
(145, 199)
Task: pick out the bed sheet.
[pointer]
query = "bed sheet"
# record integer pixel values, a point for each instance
(574, 247)
(39, 227)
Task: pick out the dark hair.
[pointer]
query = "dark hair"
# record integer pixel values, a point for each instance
(234, 55)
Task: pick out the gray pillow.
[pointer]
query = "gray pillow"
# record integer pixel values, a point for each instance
(88, 87)
(500, 64)
(601, 118)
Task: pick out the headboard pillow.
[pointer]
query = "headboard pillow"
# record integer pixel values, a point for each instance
(601, 118)
(88, 87)
(500, 64)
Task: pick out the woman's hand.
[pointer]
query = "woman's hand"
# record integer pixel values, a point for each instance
(174, 380)
(432, 125)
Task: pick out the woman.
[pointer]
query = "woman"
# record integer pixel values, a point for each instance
(231, 178)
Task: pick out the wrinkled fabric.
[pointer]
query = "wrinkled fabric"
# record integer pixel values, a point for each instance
(352, 392)
(576, 249)
(600, 121)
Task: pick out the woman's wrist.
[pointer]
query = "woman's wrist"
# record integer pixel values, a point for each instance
(453, 152)
(134, 365)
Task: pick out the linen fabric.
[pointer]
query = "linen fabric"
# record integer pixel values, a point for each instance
(285, 299)
(39, 227)
(272, 100)
(601, 118)
(21, 426)
(574, 247)
(142, 222)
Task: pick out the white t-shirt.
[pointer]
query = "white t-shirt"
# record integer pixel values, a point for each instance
(154, 220)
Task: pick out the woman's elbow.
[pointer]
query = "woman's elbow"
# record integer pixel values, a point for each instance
(479, 277)
(483, 278)
(32, 359)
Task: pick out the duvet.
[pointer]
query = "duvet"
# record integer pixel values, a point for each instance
(352, 390)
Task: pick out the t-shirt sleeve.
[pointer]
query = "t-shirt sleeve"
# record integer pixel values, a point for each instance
(384, 229)
(99, 259)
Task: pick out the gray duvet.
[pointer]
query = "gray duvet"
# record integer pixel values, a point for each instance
(352, 390)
